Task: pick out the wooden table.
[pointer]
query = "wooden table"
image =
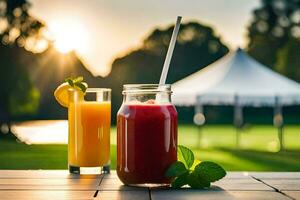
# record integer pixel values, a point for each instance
(58, 184)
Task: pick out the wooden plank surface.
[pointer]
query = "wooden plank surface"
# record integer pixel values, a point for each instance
(48, 187)
(238, 175)
(188, 194)
(49, 184)
(242, 184)
(275, 175)
(284, 184)
(56, 181)
(293, 194)
(45, 195)
(59, 184)
(114, 184)
(123, 195)
(47, 174)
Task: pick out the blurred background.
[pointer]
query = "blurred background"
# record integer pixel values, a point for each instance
(111, 43)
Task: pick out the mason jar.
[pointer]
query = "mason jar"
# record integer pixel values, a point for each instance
(146, 135)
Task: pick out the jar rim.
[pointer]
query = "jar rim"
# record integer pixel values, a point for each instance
(94, 90)
(146, 88)
(98, 90)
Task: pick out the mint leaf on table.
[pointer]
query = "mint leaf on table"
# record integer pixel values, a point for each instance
(196, 162)
(176, 169)
(198, 181)
(186, 156)
(212, 170)
(181, 180)
(196, 174)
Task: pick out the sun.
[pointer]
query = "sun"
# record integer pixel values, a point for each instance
(68, 35)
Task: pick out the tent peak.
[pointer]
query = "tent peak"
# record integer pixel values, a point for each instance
(237, 73)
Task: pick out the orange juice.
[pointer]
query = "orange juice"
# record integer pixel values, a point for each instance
(89, 133)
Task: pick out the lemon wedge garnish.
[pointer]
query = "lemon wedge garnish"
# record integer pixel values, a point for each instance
(61, 93)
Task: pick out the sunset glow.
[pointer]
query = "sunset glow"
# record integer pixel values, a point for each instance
(69, 35)
(112, 29)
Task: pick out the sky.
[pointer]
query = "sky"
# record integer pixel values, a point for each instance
(101, 30)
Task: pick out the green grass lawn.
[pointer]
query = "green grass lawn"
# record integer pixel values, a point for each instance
(258, 151)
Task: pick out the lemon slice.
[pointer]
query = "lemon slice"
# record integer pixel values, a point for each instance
(61, 93)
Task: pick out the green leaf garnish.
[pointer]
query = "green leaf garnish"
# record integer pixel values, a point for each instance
(186, 156)
(78, 79)
(81, 86)
(198, 181)
(196, 162)
(176, 169)
(212, 170)
(77, 82)
(69, 81)
(181, 180)
(196, 174)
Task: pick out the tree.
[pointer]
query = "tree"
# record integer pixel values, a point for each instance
(274, 29)
(288, 59)
(197, 46)
(17, 29)
(31, 68)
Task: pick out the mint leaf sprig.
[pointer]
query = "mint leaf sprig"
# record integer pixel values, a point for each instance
(77, 82)
(196, 174)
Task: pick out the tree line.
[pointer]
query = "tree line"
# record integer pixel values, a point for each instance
(29, 75)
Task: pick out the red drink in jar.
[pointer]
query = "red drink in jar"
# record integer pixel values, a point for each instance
(147, 135)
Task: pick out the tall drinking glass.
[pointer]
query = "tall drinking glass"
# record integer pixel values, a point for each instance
(89, 131)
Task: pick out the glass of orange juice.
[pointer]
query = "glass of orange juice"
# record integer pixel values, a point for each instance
(89, 117)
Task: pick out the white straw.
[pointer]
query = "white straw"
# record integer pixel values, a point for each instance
(165, 70)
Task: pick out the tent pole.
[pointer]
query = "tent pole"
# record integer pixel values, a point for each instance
(238, 119)
(281, 137)
(199, 136)
(278, 122)
(237, 139)
(198, 111)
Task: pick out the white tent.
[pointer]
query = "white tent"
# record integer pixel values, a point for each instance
(236, 75)
(238, 80)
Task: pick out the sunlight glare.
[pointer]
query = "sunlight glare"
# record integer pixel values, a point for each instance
(42, 131)
(69, 35)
